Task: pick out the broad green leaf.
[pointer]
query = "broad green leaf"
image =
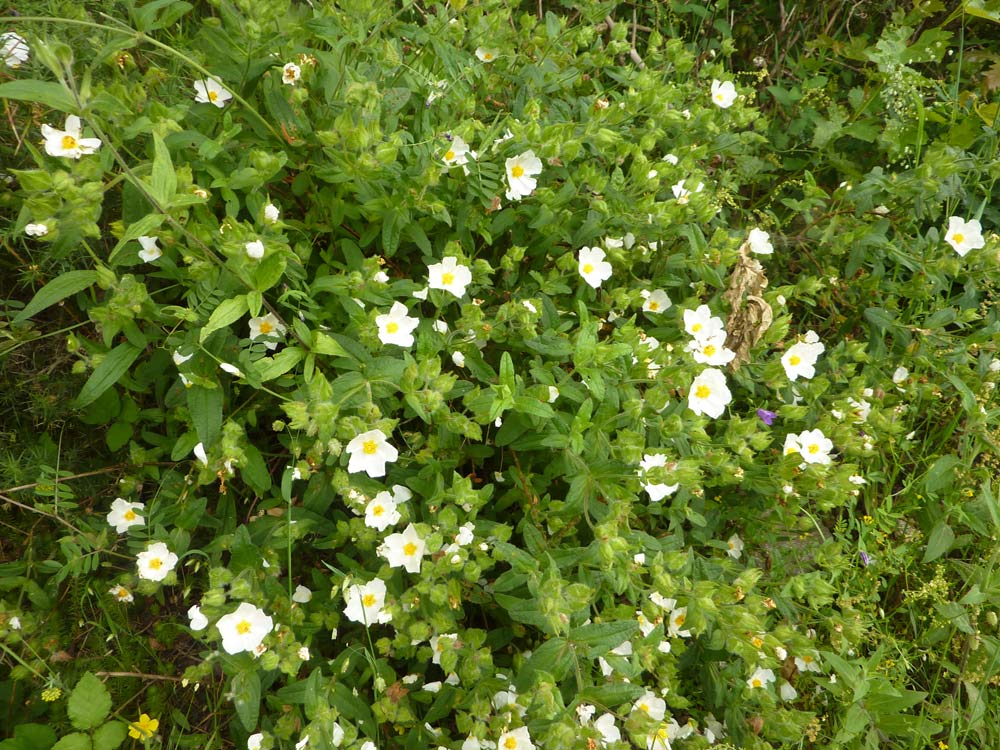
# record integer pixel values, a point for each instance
(30, 737)
(255, 472)
(141, 228)
(609, 696)
(107, 373)
(62, 286)
(554, 657)
(246, 698)
(205, 406)
(942, 473)
(74, 741)
(228, 311)
(52, 95)
(939, 542)
(270, 368)
(89, 703)
(109, 736)
(601, 637)
(325, 344)
(164, 179)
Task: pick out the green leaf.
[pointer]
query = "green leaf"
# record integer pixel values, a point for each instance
(52, 95)
(941, 475)
(164, 180)
(939, 541)
(205, 406)
(141, 228)
(325, 344)
(107, 373)
(255, 472)
(553, 657)
(246, 699)
(62, 286)
(74, 741)
(118, 435)
(89, 703)
(30, 737)
(611, 695)
(109, 736)
(270, 368)
(601, 637)
(507, 372)
(228, 311)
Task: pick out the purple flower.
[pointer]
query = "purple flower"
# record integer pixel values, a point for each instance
(864, 558)
(767, 417)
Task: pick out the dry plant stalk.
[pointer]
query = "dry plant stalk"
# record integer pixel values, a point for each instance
(749, 314)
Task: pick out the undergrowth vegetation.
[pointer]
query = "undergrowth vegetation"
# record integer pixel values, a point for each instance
(472, 375)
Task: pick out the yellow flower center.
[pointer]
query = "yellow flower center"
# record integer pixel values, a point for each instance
(516, 171)
(213, 95)
(447, 278)
(757, 642)
(958, 238)
(756, 682)
(243, 627)
(449, 155)
(392, 327)
(122, 593)
(696, 327)
(702, 391)
(69, 142)
(378, 510)
(813, 449)
(718, 96)
(266, 327)
(588, 268)
(794, 360)
(807, 659)
(409, 549)
(679, 620)
(369, 447)
(709, 350)
(487, 56)
(644, 707)
(654, 306)
(510, 743)
(155, 564)
(368, 600)
(129, 515)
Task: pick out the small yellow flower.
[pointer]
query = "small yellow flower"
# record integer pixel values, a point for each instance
(51, 694)
(144, 728)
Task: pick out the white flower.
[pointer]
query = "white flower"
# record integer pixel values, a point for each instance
(254, 250)
(121, 594)
(449, 275)
(584, 711)
(800, 359)
(366, 603)
(68, 142)
(303, 653)
(709, 394)
(814, 447)
(517, 739)
(645, 626)
(471, 743)
(458, 153)
(486, 54)
(396, 327)
(13, 49)
(521, 171)
(964, 236)
(231, 369)
(290, 74)
(671, 159)
(593, 267)
(155, 562)
(760, 242)
(529, 306)
(36, 230)
(244, 629)
(401, 494)
(807, 663)
(465, 534)
(198, 620)
(123, 515)
(199, 451)
(271, 213)
(682, 194)
(269, 327)
(857, 479)
(711, 349)
(210, 91)
(760, 678)
(180, 359)
(900, 375)
(701, 323)
(735, 545)
(723, 93)
(656, 301)
(302, 743)
(369, 453)
(553, 393)
(639, 558)
(302, 594)
(458, 358)
(406, 549)
(605, 724)
(380, 513)
(656, 491)
(15, 622)
(650, 704)
(150, 250)
(787, 692)
(254, 741)
(676, 623)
